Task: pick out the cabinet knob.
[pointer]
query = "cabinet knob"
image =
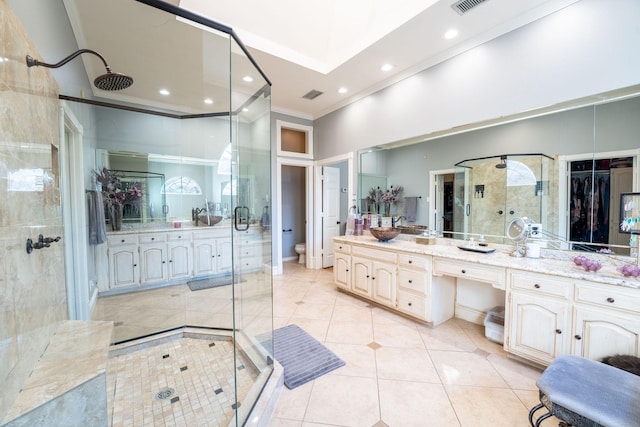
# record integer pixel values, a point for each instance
(122, 241)
(578, 337)
(536, 286)
(367, 276)
(410, 262)
(170, 260)
(347, 269)
(464, 271)
(373, 278)
(558, 331)
(611, 300)
(164, 262)
(135, 265)
(409, 304)
(153, 238)
(410, 281)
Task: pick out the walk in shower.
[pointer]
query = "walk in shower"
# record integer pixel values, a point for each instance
(191, 301)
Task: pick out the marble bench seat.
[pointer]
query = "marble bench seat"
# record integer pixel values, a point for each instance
(67, 386)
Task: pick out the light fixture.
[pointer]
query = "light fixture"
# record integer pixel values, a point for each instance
(450, 34)
(386, 67)
(164, 92)
(247, 79)
(208, 101)
(342, 90)
(245, 109)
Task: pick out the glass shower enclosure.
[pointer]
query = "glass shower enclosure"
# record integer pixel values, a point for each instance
(208, 137)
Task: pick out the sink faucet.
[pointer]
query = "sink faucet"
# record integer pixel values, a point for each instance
(396, 221)
(195, 214)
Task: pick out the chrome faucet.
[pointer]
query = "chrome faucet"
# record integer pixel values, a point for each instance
(396, 221)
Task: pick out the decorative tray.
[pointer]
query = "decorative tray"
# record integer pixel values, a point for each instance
(479, 249)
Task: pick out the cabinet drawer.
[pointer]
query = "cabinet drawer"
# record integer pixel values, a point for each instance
(341, 247)
(153, 238)
(211, 234)
(179, 236)
(412, 304)
(414, 280)
(609, 296)
(541, 283)
(467, 270)
(374, 253)
(415, 261)
(124, 239)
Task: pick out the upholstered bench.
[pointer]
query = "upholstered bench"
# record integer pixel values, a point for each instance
(583, 392)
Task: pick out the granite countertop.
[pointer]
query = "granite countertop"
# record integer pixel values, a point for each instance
(160, 227)
(556, 262)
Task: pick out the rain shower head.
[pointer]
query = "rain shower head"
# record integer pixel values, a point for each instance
(108, 81)
(503, 163)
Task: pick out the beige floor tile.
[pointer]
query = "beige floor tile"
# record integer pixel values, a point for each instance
(382, 316)
(310, 310)
(461, 368)
(397, 335)
(292, 404)
(351, 313)
(446, 338)
(344, 401)
(477, 336)
(487, 407)
(360, 360)
(281, 422)
(518, 376)
(407, 364)
(349, 333)
(409, 404)
(316, 328)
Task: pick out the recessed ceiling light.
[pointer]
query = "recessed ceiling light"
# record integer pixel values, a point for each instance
(164, 92)
(247, 79)
(245, 109)
(342, 90)
(386, 67)
(208, 101)
(450, 34)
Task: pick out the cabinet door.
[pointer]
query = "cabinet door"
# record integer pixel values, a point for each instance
(224, 255)
(383, 283)
(204, 257)
(341, 267)
(153, 264)
(601, 332)
(123, 263)
(179, 255)
(539, 327)
(361, 277)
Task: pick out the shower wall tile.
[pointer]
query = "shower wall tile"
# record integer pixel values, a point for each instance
(32, 287)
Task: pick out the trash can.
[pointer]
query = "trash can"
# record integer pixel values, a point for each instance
(494, 325)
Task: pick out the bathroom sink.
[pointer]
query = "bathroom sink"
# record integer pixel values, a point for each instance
(212, 220)
(384, 233)
(412, 229)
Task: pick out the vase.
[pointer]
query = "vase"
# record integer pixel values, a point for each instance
(115, 217)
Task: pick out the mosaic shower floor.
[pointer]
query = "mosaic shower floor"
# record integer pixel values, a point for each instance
(182, 382)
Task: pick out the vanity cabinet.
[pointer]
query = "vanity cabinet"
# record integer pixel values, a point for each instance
(123, 262)
(153, 258)
(205, 254)
(179, 255)
(342, 265)
(539, 307)
(374, 274)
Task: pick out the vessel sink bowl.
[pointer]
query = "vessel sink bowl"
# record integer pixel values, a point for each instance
(384, 233)
(412, 229)
(213, 220)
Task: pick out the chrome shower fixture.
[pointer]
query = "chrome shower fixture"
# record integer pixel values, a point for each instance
(109, 81)
(503, 163)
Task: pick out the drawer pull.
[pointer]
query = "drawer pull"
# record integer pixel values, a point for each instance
(153, 238)
(611, 300)
(578, 337)
(347, 269)
(464, 271)
(536, 286)
(410, 262)
(339, 247)
(410, 281)
(135, 265)
(558, 331)
(122, 241)
(409, 304)
(373, 278)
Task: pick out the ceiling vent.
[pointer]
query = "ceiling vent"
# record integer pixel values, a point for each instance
(465, 6)
(312, 94)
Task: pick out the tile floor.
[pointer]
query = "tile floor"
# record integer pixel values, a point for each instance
(398, 373)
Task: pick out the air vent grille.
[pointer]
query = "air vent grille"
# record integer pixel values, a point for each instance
(312, 94)
(465, 6)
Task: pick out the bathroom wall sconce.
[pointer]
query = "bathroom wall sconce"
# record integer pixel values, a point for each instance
(43, 242)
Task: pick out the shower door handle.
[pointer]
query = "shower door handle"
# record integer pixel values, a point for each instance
(237, 218)
(468, 209)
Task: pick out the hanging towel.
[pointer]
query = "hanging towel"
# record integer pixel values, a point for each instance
(410, 208)
(97, 227)
(265, 221)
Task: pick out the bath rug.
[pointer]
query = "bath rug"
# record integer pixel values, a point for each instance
(212, 282)
(302, 357)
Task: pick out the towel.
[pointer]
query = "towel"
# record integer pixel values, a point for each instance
(410, 208)
(97, 227)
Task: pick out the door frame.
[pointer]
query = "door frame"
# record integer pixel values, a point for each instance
(277, 230)
(436, 194)
(316, 258)
(79, 299)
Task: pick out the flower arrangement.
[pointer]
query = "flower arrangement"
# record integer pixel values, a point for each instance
(115, 194)
(389, 197)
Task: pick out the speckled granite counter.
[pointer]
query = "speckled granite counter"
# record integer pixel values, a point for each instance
(554, 262)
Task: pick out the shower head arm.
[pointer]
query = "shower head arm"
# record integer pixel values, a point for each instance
(31, 61)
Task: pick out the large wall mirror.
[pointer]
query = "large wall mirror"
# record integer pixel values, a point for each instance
(585, 155)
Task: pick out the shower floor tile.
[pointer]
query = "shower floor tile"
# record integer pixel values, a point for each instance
(186, 381)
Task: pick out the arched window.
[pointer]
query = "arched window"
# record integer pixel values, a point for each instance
(182, 185)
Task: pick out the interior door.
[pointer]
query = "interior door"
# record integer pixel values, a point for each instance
(330, 212)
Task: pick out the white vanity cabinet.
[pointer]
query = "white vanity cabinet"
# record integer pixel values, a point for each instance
(539, 313)
(179, 255)
(123, 261)
(606, 321)
(153, 258)
(414, 285)
(342, 265)
(205, 252)
(374, 274)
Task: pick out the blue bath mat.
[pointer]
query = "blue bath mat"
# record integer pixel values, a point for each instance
(302, 356)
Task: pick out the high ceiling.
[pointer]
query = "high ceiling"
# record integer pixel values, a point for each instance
(321, 45)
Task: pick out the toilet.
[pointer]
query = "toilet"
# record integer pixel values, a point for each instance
(301, 249)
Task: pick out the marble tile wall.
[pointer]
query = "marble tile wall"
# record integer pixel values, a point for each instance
(32, 287)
